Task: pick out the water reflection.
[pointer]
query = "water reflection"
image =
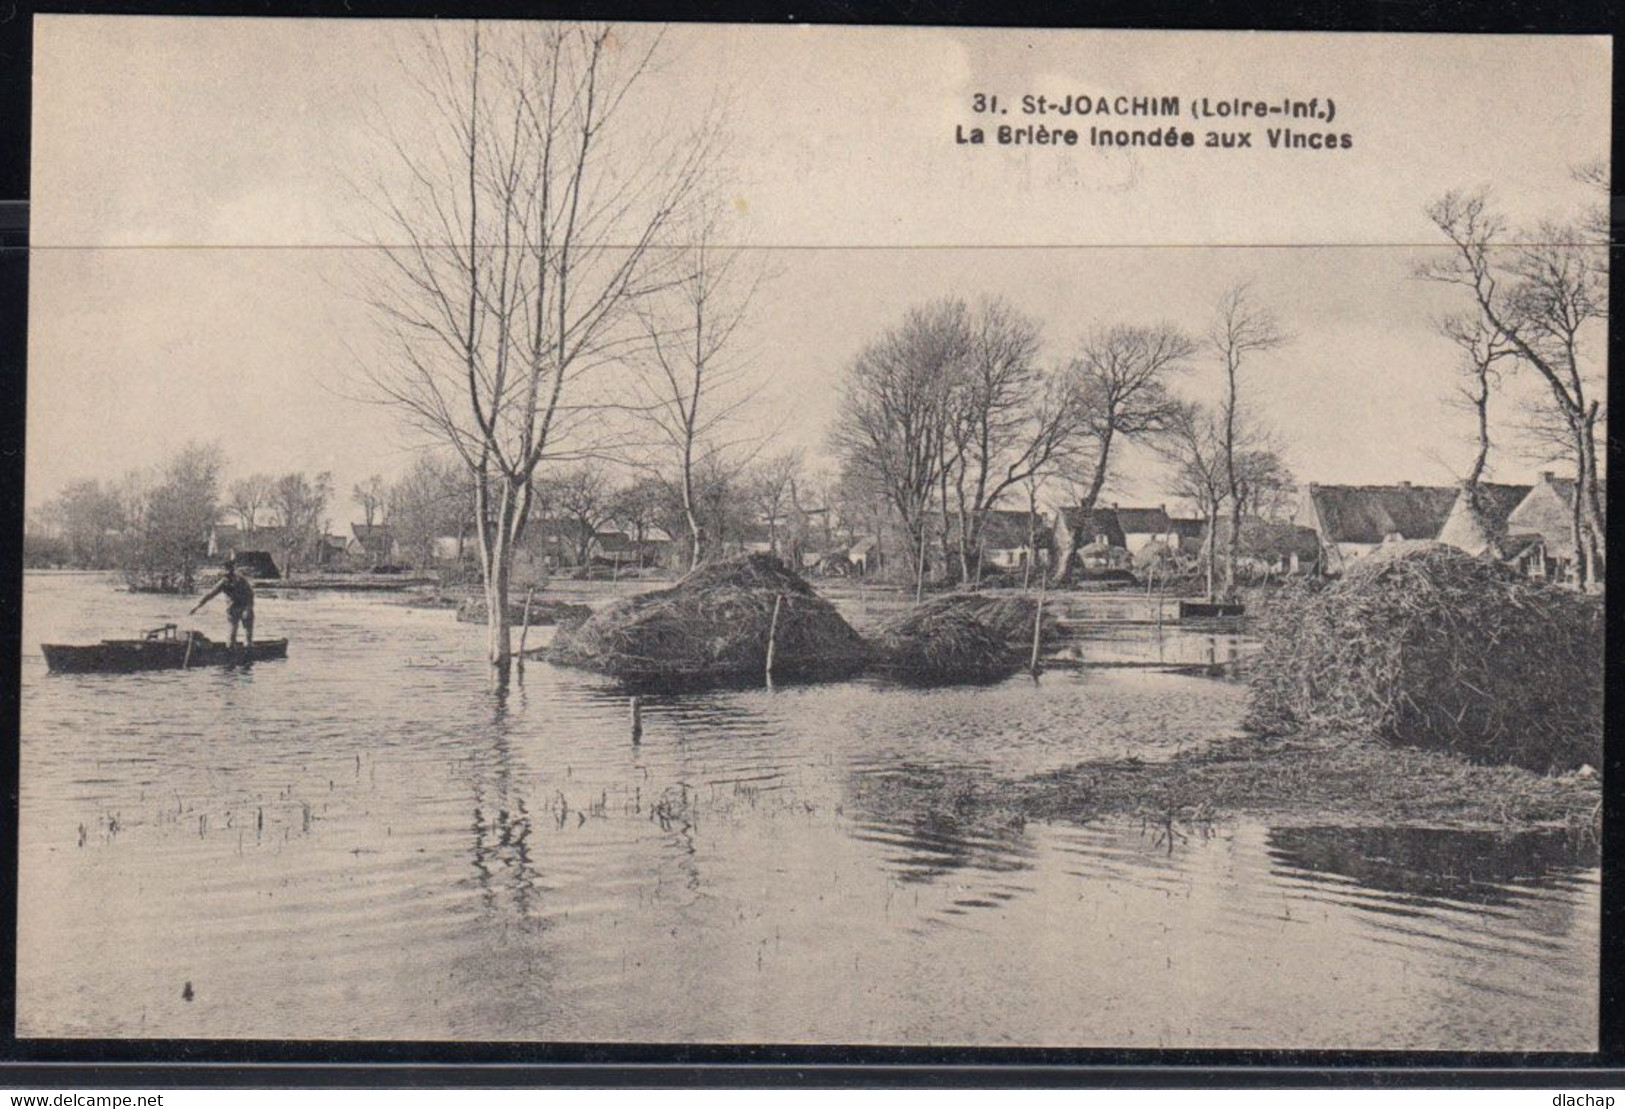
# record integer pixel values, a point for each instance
(1172, 647)
(1421, 868)
(501, 828)
(932, 825)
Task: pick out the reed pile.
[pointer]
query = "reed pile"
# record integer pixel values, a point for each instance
(715, 623)
(959, 636)
(1426, 646)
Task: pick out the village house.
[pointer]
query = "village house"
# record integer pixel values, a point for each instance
(1143, 526)
(373, 545)
(858, 559)
(1351, 521)
(1008, 540)
(556, 542)
(1478, 520)
(1013, 538)
(452, 549)
(259, 551)
(1187, 537)
(1272, 548)
(1088, 537)
(620, 545)
(1540, 530)
(551, 542)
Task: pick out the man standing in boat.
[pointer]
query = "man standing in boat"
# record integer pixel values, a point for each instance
(239, 602)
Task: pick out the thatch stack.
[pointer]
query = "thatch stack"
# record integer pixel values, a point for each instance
(957, 636)
(715, 623)
(1426, 646)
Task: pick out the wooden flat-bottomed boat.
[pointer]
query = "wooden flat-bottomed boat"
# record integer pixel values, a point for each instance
(159, 649)
(1206, 610)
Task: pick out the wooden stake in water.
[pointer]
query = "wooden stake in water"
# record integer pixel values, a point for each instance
(1038, 626)
(772, 636)
(524, 629)
(186, 663)
(635, 705)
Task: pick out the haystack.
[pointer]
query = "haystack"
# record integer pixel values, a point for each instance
(1427, 646)
(964, 635)
(715, 624)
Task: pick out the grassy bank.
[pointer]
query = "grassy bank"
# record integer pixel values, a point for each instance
(1300, 780)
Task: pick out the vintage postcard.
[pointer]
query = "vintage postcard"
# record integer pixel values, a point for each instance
(813, 535)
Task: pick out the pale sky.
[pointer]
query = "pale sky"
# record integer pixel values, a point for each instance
(194, 224)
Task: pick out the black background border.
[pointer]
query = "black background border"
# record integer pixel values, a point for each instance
(133, 1064)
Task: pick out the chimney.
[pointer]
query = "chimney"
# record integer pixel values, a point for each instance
(1545, 477)
(1404, 485)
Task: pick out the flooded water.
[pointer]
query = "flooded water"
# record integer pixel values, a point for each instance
(365, 841)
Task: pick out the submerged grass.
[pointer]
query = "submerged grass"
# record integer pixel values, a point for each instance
(1299, 780)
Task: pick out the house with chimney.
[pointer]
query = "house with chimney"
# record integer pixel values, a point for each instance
(1541, 528)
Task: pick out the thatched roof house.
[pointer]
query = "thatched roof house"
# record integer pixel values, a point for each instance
(1143, 526)
(1009, 536)
(1351, 521)
(1478, 518)
(1079, 530)
(1547, 513)
(1275, 545)
(372, 541)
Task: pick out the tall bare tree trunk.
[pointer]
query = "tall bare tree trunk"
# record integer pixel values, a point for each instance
(1590, 498)
(1211, 553)
(1102, 466)
(1577, 529)
(1481, 406)
(1233, 540)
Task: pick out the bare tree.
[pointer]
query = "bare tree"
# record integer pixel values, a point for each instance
(1265, 483)
(640, 507)
(895, 413)
(91, 516)
(513, 249)
(1011, 422)
(1595, 221)
(1482, 349)
(582, 496)
(167, 515)
(1122, 377)
(1242, 328)
(689, 388)
(370, 497)
(1193, 445)
(300, 506)
(1540, 294)
(434, 498)
(248, 496)
(771, 484)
